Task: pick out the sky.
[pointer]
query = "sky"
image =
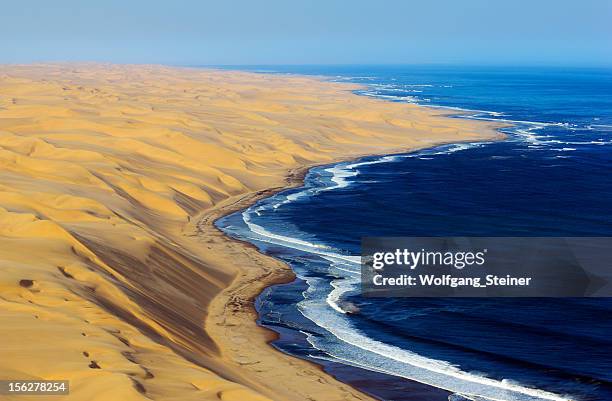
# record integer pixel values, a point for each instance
(267, 32)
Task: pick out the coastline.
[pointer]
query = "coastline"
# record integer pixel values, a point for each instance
(116, 183)
(302, 351)
(233, 317)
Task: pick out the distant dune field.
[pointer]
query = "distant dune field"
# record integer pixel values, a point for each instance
(111, 274)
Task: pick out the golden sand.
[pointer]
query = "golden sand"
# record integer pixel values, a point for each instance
(111, 273)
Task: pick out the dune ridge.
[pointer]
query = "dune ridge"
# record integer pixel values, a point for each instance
(111, 272)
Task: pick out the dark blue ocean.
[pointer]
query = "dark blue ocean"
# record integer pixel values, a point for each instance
(552, 176)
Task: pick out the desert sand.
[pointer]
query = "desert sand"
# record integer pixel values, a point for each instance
(111, 273)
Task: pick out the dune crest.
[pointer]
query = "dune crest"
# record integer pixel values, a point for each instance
(111, 274)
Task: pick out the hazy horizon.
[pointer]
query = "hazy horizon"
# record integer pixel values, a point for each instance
(203, 33)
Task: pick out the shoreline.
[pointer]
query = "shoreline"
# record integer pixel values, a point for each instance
(241, 294)
(234, 307)
(532, 383)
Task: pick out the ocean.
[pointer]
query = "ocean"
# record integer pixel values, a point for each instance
(550, 177)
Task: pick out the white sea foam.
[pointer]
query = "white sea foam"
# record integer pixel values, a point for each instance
(340, 288)
(404, 98)
(327, 309)
(344, 78)
(340, 175)
(380, 356)
(371, 354)
(324, 251)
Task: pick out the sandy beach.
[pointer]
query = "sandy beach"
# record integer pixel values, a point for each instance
(111, 178)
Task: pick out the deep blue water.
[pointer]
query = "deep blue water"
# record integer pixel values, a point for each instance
(552, 176)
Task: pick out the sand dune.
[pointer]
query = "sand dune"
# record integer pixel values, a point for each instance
(111, 274)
